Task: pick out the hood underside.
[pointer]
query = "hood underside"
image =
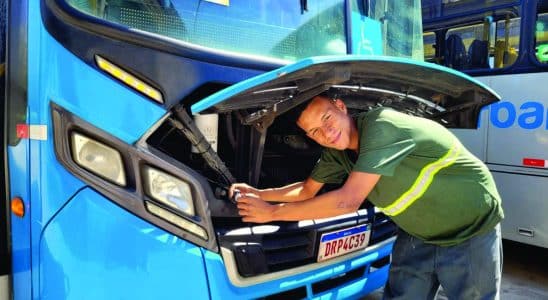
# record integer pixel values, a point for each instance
(363, 82)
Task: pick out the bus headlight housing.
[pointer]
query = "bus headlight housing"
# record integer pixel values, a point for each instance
(173, 193)
(140, 179)
(98, 158)
(168, 190)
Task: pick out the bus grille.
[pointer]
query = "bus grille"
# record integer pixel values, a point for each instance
(291, 246)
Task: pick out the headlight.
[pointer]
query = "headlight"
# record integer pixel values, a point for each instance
(168, 190)
(98, 158)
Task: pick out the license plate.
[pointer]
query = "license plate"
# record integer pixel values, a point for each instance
(337, 243)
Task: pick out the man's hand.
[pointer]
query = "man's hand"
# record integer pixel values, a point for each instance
(254, 209)
(244, 188)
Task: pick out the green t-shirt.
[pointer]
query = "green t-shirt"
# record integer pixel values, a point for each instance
(431, 186)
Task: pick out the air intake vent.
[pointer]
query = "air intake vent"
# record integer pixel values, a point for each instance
(334, 282)
(383, 228)
(299, 293)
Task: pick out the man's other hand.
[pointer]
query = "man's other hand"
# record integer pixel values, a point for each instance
(253, 209)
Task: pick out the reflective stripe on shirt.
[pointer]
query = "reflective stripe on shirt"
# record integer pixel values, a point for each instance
(423, 181)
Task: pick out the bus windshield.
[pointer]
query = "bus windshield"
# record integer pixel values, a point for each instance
(280, 29)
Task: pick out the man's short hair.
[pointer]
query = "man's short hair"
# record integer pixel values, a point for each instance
(298, 110)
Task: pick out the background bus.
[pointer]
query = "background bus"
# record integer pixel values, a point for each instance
(505, 45)
(105, 197)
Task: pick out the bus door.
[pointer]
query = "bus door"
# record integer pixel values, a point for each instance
(5, 256)
(503, 44)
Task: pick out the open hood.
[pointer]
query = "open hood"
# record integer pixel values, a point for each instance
(363, 82)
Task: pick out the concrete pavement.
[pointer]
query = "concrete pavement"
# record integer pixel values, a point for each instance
(525, 274)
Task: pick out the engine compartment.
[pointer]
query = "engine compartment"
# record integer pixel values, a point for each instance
(288, 155)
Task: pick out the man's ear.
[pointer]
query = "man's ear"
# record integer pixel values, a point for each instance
(340, 105)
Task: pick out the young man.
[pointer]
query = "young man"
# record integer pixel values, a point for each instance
(442, 198)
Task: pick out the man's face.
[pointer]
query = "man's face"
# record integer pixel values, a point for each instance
(326, 122)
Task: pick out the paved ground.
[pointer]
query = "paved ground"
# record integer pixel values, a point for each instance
(525, 274)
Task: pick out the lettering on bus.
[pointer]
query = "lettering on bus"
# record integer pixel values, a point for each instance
(529, 115)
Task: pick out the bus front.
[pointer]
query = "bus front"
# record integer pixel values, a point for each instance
(124, 190)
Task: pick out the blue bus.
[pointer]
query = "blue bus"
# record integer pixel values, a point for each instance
(504, 44)
(125, 121)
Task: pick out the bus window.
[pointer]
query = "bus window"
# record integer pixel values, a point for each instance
(507, 42)
(467, 47)
(488, 40)
(401, 27)
(541, 32)
(286, 30)
(429, 41)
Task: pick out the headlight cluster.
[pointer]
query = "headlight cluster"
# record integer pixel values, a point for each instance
(146, 182)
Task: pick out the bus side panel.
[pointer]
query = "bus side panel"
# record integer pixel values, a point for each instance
(524, 223)
(93, 249)
(20, 227)
(518, 146)
(518, 124)
(17, 151)
(512, 131)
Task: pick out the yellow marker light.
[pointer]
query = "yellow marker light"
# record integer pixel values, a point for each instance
(129, 79)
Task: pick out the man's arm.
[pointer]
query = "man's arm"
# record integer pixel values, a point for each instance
(297, 191)
(344, 200)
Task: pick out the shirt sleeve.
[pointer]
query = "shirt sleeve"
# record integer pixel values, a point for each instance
(328, 169)
(383, 146)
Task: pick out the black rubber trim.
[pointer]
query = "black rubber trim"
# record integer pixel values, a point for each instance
(57, 15)
(70, 26)
(16, 69)
(174, 67)
(297, 293)
(132, 196)
(517, 172)
(14, 106)
(5, 204)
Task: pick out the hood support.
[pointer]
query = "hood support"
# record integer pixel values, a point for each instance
(262, 119)
(187, 126)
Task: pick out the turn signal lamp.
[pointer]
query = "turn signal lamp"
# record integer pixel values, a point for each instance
(129, 79)
(168, 190)
(98, 158)
(18, 207)
(176, 220)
